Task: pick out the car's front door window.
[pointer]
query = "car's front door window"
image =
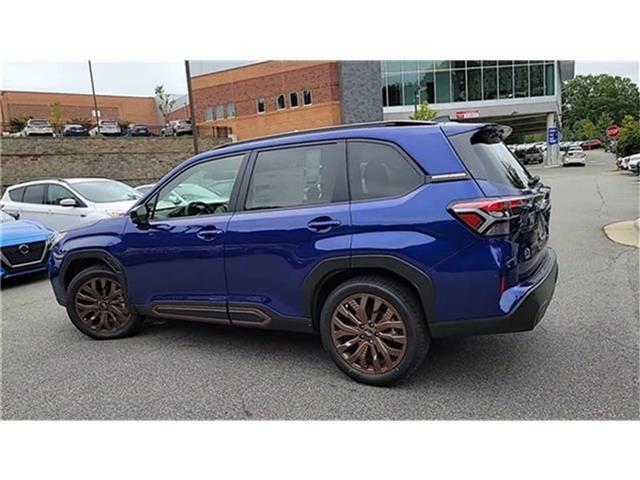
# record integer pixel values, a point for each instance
(196, 190)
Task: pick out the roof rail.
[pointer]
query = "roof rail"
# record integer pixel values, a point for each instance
(348, 126)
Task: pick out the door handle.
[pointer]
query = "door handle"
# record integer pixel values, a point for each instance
(208, 235)
(323, 224)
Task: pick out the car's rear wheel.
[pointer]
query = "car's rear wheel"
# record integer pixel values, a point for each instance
(374, 330)
(97, 306)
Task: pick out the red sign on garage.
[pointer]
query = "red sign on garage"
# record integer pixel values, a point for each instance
(613, 131)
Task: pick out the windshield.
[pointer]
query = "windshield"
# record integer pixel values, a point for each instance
(39, 122)
(5, 217)
(106, 191)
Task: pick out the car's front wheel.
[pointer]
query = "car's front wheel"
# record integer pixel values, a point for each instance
(97, 307)
(374, 329)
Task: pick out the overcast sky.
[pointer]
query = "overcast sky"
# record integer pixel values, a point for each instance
(140, 78)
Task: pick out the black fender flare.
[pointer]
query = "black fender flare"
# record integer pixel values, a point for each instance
(328, 268)
(95, 253)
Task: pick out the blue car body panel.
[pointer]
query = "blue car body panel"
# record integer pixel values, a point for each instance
(263, 259)
(20, 232)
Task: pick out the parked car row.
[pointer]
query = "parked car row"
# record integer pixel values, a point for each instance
(584, 144)
(106, 128)
(631, 163)
(529, 152)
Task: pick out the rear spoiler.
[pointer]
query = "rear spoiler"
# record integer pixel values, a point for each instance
(486, 132)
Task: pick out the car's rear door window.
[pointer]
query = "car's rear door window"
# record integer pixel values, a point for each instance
(378, 170)
(16, 194)
(298, 176)
(34, 194)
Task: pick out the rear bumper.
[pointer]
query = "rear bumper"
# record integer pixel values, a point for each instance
(524, 316)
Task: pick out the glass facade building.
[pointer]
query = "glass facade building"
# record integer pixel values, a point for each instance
(458, 81)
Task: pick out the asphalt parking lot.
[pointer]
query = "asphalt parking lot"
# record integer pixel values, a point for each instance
(581, 362)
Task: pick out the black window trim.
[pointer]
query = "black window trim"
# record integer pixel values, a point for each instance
(153, 198)
(246, 180)
(425, 178)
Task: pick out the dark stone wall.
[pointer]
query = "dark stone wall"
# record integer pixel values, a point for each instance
(132, 160)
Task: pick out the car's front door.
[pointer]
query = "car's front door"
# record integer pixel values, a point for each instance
(292, 215)
(174, 266)
(63, 217)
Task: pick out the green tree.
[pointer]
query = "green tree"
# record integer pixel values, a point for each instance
(165, 102)
(584, 130)
(424, 112)
(629, 139)
(18, 123)
(56, 116)
(598, 98)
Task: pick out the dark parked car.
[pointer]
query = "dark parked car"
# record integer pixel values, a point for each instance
(138, 130)
(379, 237)
(74, 130)
(591, 144)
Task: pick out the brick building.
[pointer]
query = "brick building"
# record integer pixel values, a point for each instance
(78, 106)
(279, 96)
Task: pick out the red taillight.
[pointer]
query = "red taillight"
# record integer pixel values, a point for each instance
(489, 216)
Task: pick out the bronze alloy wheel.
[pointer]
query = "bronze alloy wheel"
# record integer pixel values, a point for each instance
(369, 333)
(100, 305)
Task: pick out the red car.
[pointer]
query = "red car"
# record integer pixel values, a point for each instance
(591, 144)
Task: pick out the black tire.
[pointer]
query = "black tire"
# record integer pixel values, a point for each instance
(409, 311)
(115, 319)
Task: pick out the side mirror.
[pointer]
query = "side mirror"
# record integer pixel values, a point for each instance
(140, 216)
(68, 202)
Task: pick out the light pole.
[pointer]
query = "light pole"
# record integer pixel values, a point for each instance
(95, 101)
(194, 127)
(416, 99)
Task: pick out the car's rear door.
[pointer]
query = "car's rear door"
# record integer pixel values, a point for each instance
(294, 214)
(33, 207)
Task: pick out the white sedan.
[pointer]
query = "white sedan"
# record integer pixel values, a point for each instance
(575, 156)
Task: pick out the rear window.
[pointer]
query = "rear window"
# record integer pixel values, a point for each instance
(486, 157)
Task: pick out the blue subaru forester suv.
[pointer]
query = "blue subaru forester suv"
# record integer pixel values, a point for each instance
(378, 236)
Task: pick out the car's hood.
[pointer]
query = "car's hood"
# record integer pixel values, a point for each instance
(22, 231)
(122, 207)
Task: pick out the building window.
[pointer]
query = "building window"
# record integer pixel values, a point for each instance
(293, 99)
(550, 79)
(260, 105)
(280, 103)
(489, 82)
(521, 80)
(410, 82)
(306, 97)
(505, 75)
(459, 85)
(394, 89)
(474, 84)
(231, 110)
(208, 114)
(536, 80)
(443, 88)
(219, 112)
